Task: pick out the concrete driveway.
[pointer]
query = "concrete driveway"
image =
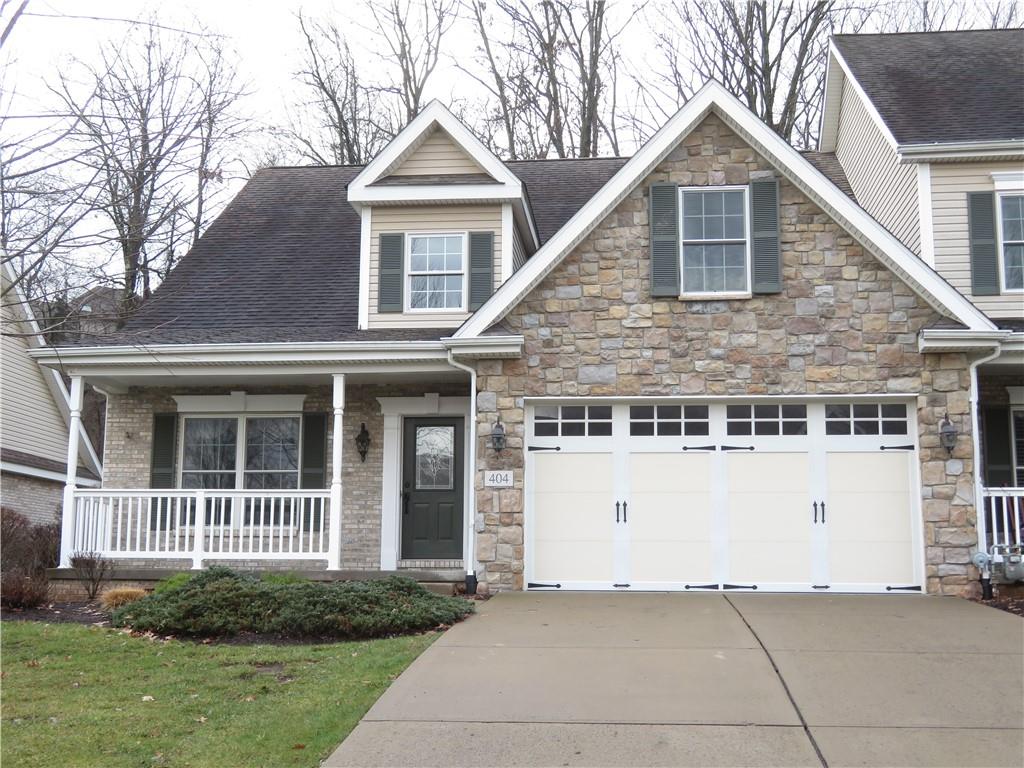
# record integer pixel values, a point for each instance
(707, 680)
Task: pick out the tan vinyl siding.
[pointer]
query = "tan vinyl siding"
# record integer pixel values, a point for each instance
(518, 251)
(437, 154)
(950, 184)
(31, 421)
(884, 188)
(427, 219)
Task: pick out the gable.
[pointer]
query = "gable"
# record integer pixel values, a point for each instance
(790, 165)
(437, 155)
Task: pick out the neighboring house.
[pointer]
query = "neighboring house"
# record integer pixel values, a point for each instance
(704, 367)
(97, 311)
(929, 129)
(34, 421)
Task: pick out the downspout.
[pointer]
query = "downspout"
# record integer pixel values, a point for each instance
(979, 503)
(469, 559)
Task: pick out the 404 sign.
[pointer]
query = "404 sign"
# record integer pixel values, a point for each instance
(504, 478)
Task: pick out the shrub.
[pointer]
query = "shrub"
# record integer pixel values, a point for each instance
(281, 577)
(219, 602)
(177, 581)
(23, 590)
(115, 597)
(92, 570)
(26, 547)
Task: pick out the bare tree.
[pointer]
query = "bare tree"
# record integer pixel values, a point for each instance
(148, 130)
(941, 15)
(412, 32)
(345, 119)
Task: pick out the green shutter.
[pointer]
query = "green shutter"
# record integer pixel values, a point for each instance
(981, 216)
(664, 224)
(314, 450)
(390, 269)
(766, 253)
(997, 447)
(481, 268)
(161, 472)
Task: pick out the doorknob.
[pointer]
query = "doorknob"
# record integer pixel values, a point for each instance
(405, 503)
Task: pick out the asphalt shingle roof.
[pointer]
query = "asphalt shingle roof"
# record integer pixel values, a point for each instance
(942, 86)
(281, 262)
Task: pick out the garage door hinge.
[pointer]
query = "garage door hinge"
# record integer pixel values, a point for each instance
(543, 448)
(897, 448)
(535, 585)
(701, 586)
(739, 586)
(820, 586)
(700, 448)
(620, 585)
(915, 588)
(737, 448)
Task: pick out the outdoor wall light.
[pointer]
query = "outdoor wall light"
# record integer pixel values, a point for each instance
(498, 436)
(362, 442)
(948, 435)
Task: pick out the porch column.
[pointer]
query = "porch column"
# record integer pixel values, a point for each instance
(67, 520)
(337, 444)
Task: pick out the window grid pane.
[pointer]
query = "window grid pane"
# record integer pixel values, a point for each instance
(436, 272)
(272, 453)
(572, 421)
(714, 254)
(866, 419)
(668, 420)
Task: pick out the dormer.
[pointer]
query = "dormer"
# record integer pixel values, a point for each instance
(444, 223)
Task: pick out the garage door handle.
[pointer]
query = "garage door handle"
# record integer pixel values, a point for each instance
(624, 506)
(815, 511)
(823, 511)
(617, 506)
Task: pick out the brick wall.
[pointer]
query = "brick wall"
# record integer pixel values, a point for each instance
(843, 324)
(37, 499)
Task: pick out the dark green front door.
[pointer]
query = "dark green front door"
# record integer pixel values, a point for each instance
(432, 488)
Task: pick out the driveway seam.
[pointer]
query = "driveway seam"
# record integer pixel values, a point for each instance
(785, 687)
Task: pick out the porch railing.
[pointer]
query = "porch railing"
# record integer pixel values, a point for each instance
(1003, 518)
(203, 524)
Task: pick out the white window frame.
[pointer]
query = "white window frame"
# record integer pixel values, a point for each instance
(748, 237)
(240, 436)
(1017, 459)
(999, 239)
(409, 274)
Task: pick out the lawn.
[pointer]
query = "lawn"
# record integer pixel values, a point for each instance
(83, 696)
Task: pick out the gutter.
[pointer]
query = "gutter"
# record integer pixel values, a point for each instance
(963, 340)
(980, 523)
(469, 543)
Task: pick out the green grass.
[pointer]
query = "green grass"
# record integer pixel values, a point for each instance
(74, 696)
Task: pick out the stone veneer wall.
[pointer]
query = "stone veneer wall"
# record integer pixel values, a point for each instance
(843, 324)
(36, 498)
(128, 450)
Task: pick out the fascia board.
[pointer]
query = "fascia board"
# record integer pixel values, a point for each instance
(437, 192)
(869, 105)
(828, 128)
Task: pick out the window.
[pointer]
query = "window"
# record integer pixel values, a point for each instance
(1011, 241)
(572, 421)
(435, 458)
(436, 272)
(1018, 447)
(714, 241)
(865, 419)
(766, 419)
(268, 459)
(668, 420)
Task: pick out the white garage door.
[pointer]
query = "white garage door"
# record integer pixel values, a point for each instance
(771, 495)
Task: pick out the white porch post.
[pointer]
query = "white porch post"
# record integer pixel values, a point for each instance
(337, 444)
(67, 520)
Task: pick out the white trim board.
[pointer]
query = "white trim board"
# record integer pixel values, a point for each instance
(239, 402)
(713, 97)
(45, 474)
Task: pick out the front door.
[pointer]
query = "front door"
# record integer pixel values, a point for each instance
(432, 488)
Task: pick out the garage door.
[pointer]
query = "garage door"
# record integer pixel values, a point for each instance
(772, 496)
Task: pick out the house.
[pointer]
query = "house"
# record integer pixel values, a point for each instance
(34, 420)
(929, 130)
(703, 367)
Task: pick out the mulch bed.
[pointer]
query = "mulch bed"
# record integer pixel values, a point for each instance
(1013, 605)
(60, 613)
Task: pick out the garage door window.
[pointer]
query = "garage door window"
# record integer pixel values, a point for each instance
(866, 419)
(668, 420)
(766, 419)
(573, 421)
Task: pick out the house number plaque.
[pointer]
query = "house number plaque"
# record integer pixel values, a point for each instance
(504, 478)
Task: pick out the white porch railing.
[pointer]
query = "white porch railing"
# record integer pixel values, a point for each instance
(1003, 519)
(203, 524)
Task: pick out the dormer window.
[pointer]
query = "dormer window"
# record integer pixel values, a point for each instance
(437, 272)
